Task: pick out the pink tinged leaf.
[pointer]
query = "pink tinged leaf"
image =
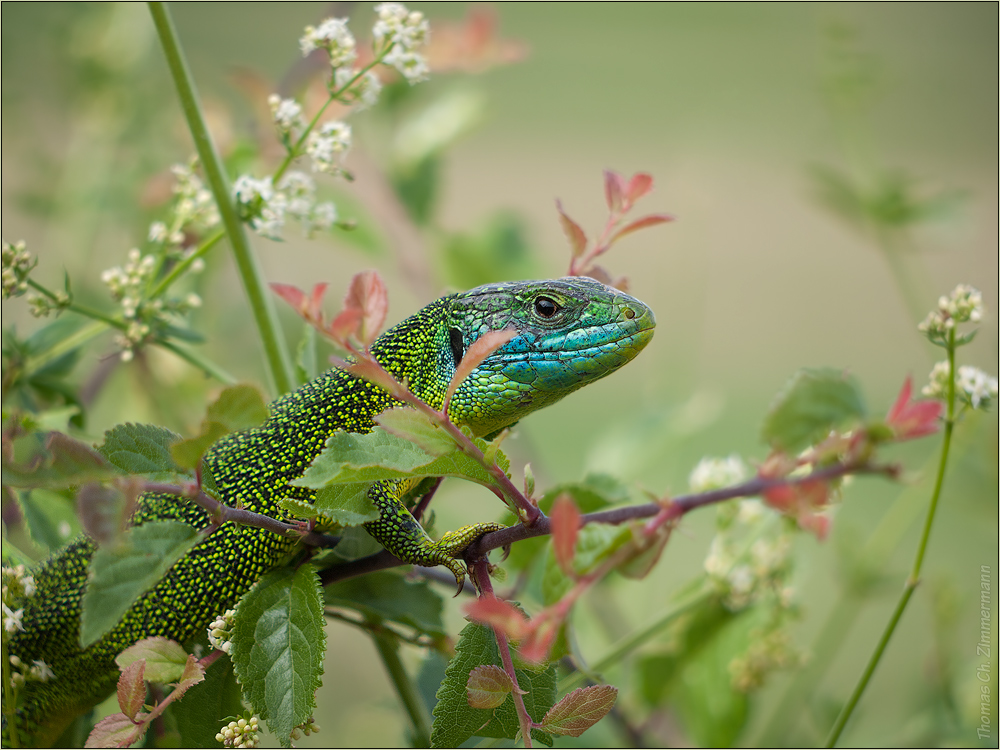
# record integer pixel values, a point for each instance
(580, 710)
(293, 296)
(367, 368)
(488, 686)
(165, 659)
(912, 419)
(537, 644)
(574, 233)
(132, 688)
(345, 326)
(614, 190)
(565, 528)
(640, 184)
(116, 730)
(474, 356)
(315, 311)
(488, 610)
(193, 673)
(367, 294)
(646, 221)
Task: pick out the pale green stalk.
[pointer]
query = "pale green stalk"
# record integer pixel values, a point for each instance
(261, 303)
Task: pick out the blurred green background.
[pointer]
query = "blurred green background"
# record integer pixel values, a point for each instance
(732, 108)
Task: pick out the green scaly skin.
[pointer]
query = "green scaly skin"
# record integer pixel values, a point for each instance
(570, 332)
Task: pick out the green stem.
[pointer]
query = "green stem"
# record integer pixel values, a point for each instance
(261, 303)
(61, 347)
(183, 265)
(914, 578)
(632, 641)
(193, 358)
(388, 649)
(9, 698)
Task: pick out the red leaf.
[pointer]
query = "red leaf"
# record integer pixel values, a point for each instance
(116, 730)
(565, 527)
(344, 326)
(480, 349)
(640, 184)
(577, 237)
(580, 710)
(367, 295)
(132, 688)
(316, 302)
(293, 296)
(912, 419)
(614, 190)
(488, 610)
(538, 642)
(646, 221)
(488, 686)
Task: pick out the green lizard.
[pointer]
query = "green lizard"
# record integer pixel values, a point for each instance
(570, 332)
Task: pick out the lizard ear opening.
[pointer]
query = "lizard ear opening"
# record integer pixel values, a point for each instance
(457, 345)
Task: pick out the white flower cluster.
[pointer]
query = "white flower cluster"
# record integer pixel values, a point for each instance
(240, 733)
(195, 206)
(404, 31)
(964, 305)
(327, 146)
(716, 473)
(38, 671)
(333, 36)
(17, 264)
(362, 93)
(15, 586)
(768, 650)
(750, 555)
(973, 386)
(266, 207)
(287, 116)
(309, 726)
(221, 630)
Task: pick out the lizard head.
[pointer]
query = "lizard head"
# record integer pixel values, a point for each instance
(569, 332)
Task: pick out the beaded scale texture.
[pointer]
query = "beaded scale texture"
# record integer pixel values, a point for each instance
(570, 332)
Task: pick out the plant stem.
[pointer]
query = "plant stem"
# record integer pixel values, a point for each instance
(184, 264)
(194, 358)
(914, 577)
(261, 303)
(388, 650)
(9, 698)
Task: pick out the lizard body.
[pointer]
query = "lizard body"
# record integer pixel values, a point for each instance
(569, 332)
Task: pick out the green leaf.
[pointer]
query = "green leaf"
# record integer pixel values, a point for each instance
(379, 455)
(346, 504)
(140, 448)
(199, 715)
(594, 543)
(389, 596)
(488, 686)
(188, 453)
(455, 720)
(814, 402)
(165, 659)
(238, 407)
(116, 730)
(278, 645)
(120, 573)
(595, 492)
(418, 428)
(50, 517)
(132, 688)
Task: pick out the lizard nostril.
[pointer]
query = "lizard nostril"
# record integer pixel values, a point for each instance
(629, 313)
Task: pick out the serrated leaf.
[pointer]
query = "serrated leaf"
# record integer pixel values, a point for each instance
(346, 504)
(814, 402)
(389, 596)
(238, 407)
(580, 710)
(418, 428)
(455, 721)
(132, 688)
(116, 730)
(200, 714)
(49, 516)
(139, 448)
(278, 645)
(122, 572)
(165, 659)
(193, 673)
(378, 455)
(102, 511)
(488, 686)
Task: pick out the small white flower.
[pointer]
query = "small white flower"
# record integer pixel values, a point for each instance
(403, 31)
(715, 473)
(979, 388)
(327, 145)
(220, 631)
(333, 36)
(157, 231)
(938, 385)
(363, 93)
(247, 189)
(12, 619)
(41, 671)
(286, 113)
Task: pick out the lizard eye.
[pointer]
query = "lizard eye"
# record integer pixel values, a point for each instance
(546, 307)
